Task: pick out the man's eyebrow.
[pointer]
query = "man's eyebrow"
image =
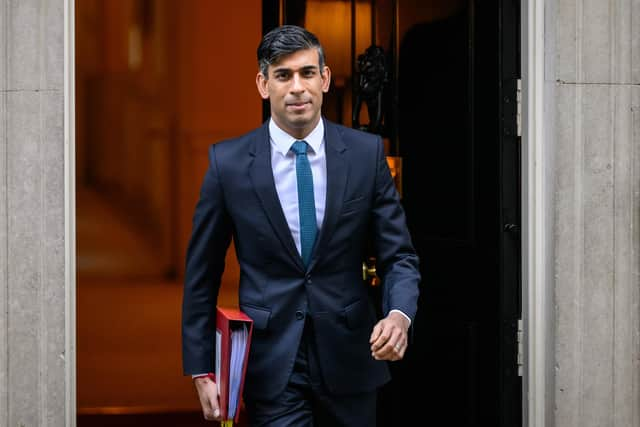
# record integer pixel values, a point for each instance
(309, 68)
(282, 70)
(289, 70)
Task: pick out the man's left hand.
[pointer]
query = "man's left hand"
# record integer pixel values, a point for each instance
(389, 338)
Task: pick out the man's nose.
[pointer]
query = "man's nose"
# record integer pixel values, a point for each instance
(296, 84)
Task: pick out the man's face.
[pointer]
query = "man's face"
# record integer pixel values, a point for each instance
(294, 87)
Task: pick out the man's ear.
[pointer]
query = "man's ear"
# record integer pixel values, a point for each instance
(326, 79)
(262, 82)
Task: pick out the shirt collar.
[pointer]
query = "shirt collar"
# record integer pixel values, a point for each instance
(282, 141)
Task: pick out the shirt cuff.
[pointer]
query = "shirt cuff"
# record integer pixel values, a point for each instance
(400, 311)
(199, 375)
(209, 375)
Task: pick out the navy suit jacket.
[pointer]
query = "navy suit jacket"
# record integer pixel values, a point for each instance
(238, 199)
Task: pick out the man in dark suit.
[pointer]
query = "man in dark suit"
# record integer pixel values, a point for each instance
(304, 199)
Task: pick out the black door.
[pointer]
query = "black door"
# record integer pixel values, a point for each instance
(456, 127)
(459, 144)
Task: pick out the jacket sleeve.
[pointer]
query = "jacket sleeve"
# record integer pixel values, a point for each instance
(210, 239)
(396, 259)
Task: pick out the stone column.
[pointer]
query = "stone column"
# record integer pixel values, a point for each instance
(32, 218)
(596, 79)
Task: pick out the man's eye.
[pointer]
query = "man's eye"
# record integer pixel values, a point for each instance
(282, 76)
(309, 73)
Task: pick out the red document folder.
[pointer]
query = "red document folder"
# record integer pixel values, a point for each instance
(229, 320)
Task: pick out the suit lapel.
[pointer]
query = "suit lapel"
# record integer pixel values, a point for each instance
(261, 175)
(337, 172)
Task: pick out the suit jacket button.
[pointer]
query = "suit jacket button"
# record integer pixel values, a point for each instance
(299, 315)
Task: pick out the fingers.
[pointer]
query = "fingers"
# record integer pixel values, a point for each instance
(388, 341)
(394, 349)
(381, 338)
(213, 412)
(208, 394)
(375, 334)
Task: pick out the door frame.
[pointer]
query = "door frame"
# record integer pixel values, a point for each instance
(70, 250)
(537, 214)
(537, 237)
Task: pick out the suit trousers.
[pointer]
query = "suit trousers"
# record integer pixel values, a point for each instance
(305, 402)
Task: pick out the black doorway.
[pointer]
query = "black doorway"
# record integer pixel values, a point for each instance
(460, 147)
(457, 134)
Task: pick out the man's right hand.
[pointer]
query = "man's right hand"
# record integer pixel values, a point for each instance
(208, 393)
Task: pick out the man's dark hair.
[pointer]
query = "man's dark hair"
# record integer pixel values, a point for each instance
(285, 40)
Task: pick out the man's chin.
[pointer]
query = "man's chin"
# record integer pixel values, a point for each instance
(298, 124)
(302, 120)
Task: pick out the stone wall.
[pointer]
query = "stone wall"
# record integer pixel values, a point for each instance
(596, 77)
(32, 276)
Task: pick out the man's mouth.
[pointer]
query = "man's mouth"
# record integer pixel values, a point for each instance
(298, 105)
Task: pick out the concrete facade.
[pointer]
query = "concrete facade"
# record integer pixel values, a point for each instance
(32, 214)
(592, 171)
(596, 147)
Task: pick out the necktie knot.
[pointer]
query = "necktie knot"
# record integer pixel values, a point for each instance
(299, 147)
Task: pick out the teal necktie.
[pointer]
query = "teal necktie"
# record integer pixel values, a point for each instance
(306, 202)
